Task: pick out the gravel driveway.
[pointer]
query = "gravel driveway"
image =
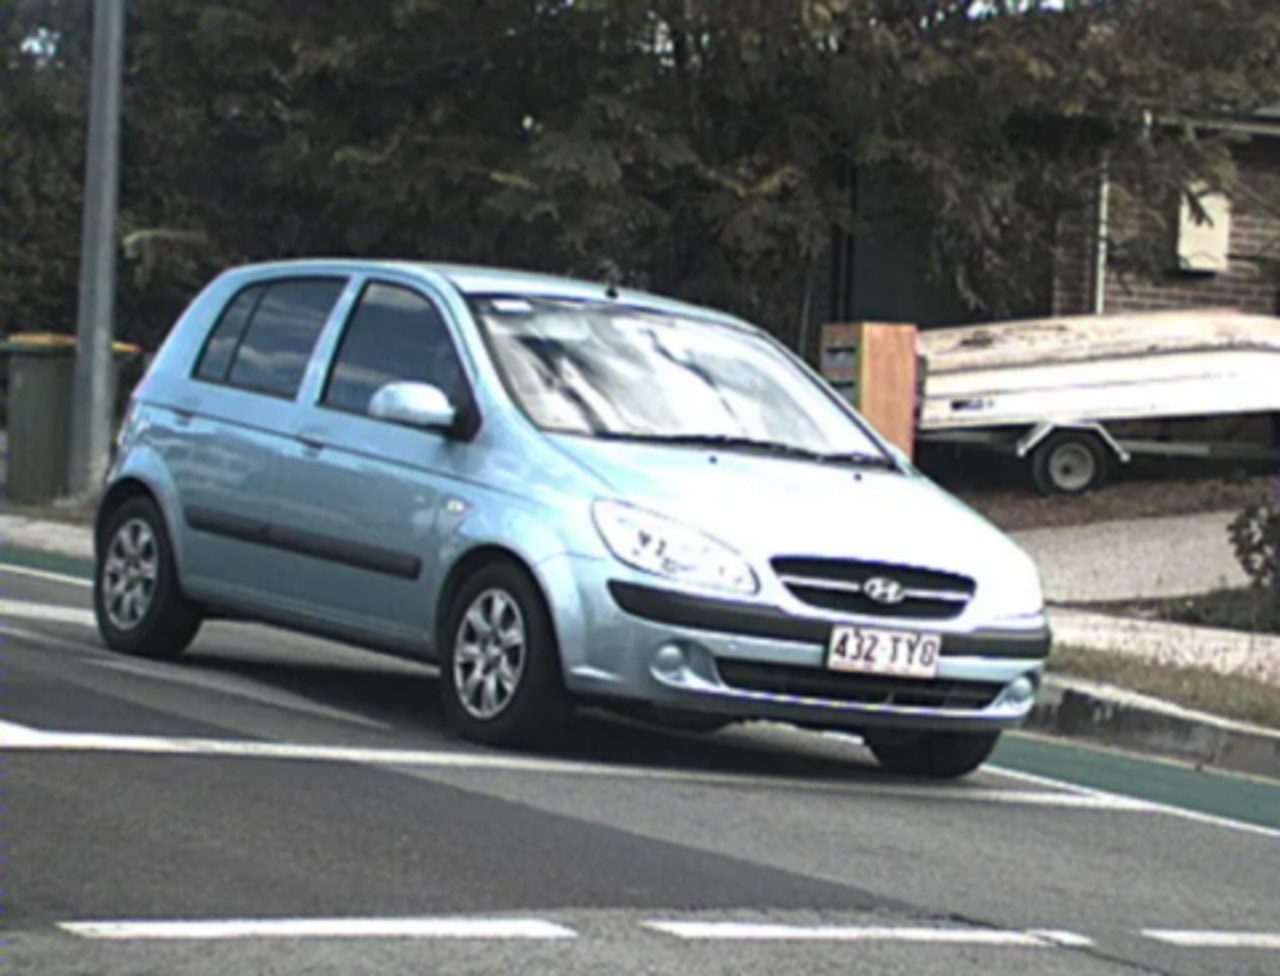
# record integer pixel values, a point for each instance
(1136, 558)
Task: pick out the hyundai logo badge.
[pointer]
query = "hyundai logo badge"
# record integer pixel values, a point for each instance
(884, 590)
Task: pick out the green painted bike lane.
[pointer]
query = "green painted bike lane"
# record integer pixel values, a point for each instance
(1250, 801)
(1153, 780)
(45, 562)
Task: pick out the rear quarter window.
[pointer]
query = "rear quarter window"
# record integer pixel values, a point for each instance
(265, 338)
(215, 360)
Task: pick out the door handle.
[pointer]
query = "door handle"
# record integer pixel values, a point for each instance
(183, 418)
(310, 447)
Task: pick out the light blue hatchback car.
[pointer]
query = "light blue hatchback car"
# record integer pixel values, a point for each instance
(560, 493)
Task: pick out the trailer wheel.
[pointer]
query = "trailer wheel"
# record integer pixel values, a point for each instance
(1069, 463)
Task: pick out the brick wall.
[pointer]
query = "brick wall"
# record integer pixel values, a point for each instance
(1073, 272)
(1251, 283)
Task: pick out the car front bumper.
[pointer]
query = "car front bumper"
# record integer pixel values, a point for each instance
(633, 640)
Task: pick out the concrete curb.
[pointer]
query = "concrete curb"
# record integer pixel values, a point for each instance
(1112, 716)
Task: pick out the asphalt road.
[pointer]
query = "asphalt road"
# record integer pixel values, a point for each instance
(277, 805)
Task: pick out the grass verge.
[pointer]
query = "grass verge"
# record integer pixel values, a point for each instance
(1250, 610)
(1233, 698)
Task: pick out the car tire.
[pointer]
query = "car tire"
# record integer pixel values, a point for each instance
(1069, 463)
(935, 755)
(137, 597)
(500, 676)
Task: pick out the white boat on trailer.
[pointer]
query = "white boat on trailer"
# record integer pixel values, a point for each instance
(1073, 396)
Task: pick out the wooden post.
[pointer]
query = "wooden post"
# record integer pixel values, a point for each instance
(876, 365)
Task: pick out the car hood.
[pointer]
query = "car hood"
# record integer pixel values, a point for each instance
(767, 506)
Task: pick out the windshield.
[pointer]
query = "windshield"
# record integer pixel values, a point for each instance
(607, 370)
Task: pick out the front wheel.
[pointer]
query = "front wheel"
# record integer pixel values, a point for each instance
(499, 664)
(137, 599)
(936, 755)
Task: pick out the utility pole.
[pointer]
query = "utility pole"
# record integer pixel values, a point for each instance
(93, 409)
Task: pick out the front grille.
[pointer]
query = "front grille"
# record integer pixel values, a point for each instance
(784, 679)
(840, 585)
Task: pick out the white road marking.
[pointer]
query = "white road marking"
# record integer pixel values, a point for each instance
(763, 931)
(1033, 778)
(47, 613)
(47, 576)
(19, 737)
(321, 928)
(1215, 940)
(1068, 940)
(539, 929)
(14, 736)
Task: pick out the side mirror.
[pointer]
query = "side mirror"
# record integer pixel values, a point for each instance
(414, 405)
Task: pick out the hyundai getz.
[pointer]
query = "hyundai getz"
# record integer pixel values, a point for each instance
(559, 493)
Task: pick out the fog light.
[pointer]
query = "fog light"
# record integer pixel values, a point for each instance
(1020, 690)
(670, 661)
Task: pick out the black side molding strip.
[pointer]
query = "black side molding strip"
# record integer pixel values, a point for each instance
(773, 623)
(374, 559)
(233, 526)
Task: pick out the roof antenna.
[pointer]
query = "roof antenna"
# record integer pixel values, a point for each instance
(612, 274)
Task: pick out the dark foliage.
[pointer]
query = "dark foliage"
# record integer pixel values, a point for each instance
(701, 148)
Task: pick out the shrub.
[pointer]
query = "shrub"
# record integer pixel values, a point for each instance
(1255, 537)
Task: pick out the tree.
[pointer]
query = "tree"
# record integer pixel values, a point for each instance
(993, 128)
(43, 61)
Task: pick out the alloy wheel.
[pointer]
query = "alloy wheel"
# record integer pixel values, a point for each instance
(489, 656)
(130, 574)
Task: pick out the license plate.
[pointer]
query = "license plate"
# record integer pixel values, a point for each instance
(898, 653)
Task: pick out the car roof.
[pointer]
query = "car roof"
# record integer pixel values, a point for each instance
(483, 280)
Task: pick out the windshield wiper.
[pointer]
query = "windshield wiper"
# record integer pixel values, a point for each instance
(731, 442)
(860, 459)
(710, 440)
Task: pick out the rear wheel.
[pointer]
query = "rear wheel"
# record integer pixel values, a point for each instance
(499, 664)
(937, 755)
(137, 598)
(1069, 463)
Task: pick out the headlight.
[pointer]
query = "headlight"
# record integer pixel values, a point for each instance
(657, 545)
